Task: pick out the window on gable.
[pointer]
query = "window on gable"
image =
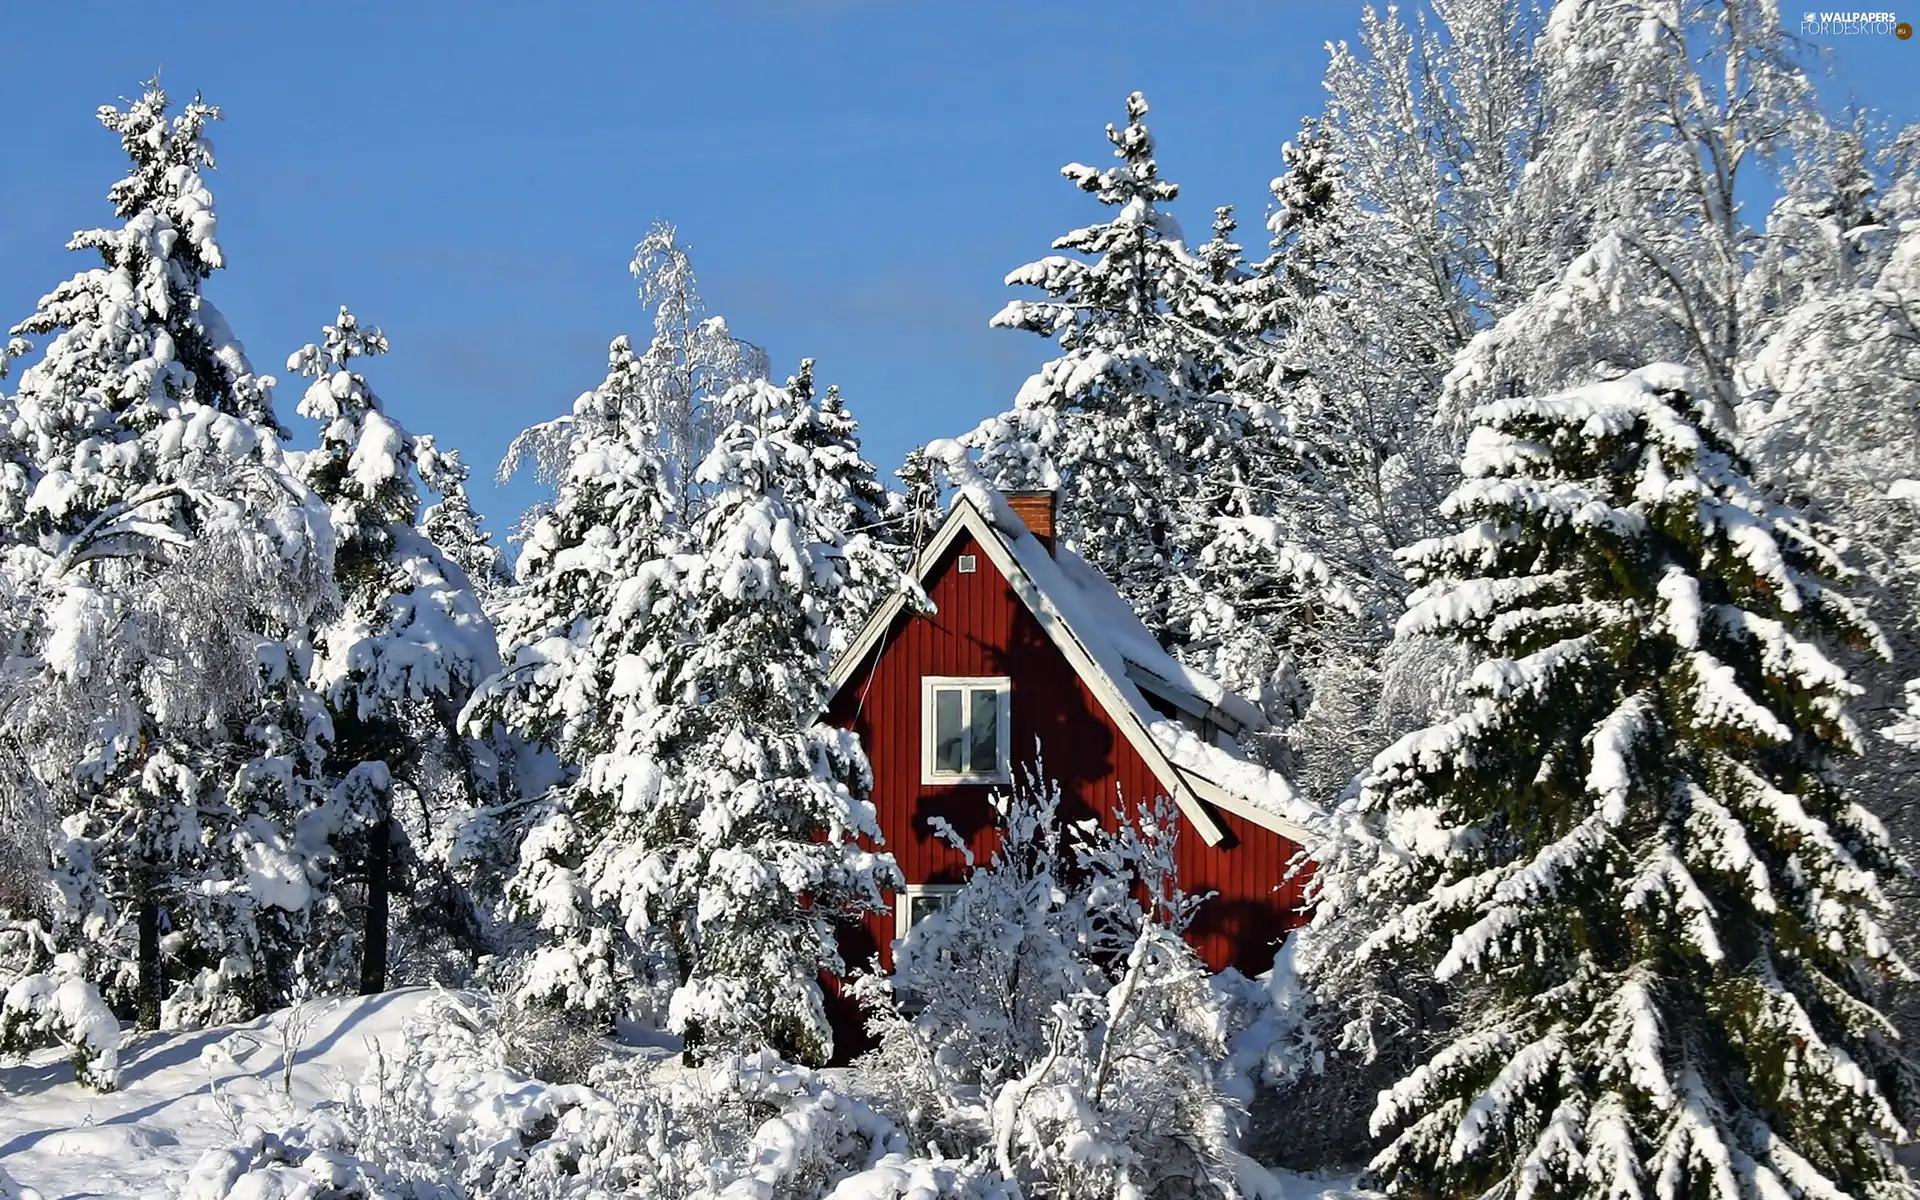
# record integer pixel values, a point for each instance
(965, 729)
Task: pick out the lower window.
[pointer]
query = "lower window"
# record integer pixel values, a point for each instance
(917, 902)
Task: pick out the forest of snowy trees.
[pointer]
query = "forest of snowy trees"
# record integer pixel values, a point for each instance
(1548, 475)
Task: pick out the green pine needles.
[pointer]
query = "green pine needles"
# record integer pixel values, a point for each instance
(1627, 852)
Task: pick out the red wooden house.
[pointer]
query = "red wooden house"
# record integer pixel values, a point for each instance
(1028, 647)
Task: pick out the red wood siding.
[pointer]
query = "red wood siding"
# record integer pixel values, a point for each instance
(982, 628)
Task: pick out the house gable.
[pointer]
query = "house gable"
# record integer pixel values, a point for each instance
(981, 627)
(1106, 683)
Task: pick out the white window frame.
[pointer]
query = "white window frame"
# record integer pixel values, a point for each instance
(903, 903)
(929, 731)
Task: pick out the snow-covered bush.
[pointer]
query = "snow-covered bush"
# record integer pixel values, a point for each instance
(1050, 1020)
(46, 995)
(450, 1116)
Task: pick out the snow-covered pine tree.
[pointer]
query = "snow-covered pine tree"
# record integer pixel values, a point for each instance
(1124, 420)
(716, 826)
(1627, 852)
(915, 511)
(452, 524)
(582, 642)
(752, 857)
(846, 504)
(398, 660)
(1164, 428)
(164, 563)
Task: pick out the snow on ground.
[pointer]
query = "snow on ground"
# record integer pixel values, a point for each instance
(185, 1093)
(65, 1142)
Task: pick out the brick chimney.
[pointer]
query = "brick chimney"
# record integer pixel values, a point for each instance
(1035, 510)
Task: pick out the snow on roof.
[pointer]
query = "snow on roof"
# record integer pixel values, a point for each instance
(1108, 612)
(1106, 625)
(1222, 765)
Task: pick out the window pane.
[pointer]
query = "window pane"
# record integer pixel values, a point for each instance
(948, 731)
(920, 907)
(985, 753)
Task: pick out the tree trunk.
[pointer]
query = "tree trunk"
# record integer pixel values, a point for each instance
(373, 935)
(147, 977)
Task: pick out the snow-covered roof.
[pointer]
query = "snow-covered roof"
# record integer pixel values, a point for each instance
(1121, 663)
(1092, 603)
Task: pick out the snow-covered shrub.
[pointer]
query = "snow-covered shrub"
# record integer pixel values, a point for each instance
(449, 1116)
(558, 1045)
(46, 996)
(1051, 1021)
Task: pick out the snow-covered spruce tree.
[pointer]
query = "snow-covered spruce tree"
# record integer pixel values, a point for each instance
(847, 504)
(452, 523)
(915, 511)
(163, 562)
(582, 638)
(746, 808)
(1253, 602)
(1628, 849)
(1125, 419)
(717, 826)
(396, 662)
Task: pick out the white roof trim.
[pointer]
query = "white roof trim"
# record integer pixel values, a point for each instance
(882, 619)
(1147, 680)
(1236, 804)
(1190, 791)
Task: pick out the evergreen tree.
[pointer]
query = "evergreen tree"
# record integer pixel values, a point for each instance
(709, 833)
(1627, 855)
(1123, 421)
(847, 505)
(405, 649)
(164, 563)
(760, 833)
(1159, 428)
(452, 524)
(582, 641)
(915, 511)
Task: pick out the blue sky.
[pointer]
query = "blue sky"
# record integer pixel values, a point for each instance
(854, 178)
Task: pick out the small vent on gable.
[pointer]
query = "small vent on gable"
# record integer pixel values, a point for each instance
(967, 564)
